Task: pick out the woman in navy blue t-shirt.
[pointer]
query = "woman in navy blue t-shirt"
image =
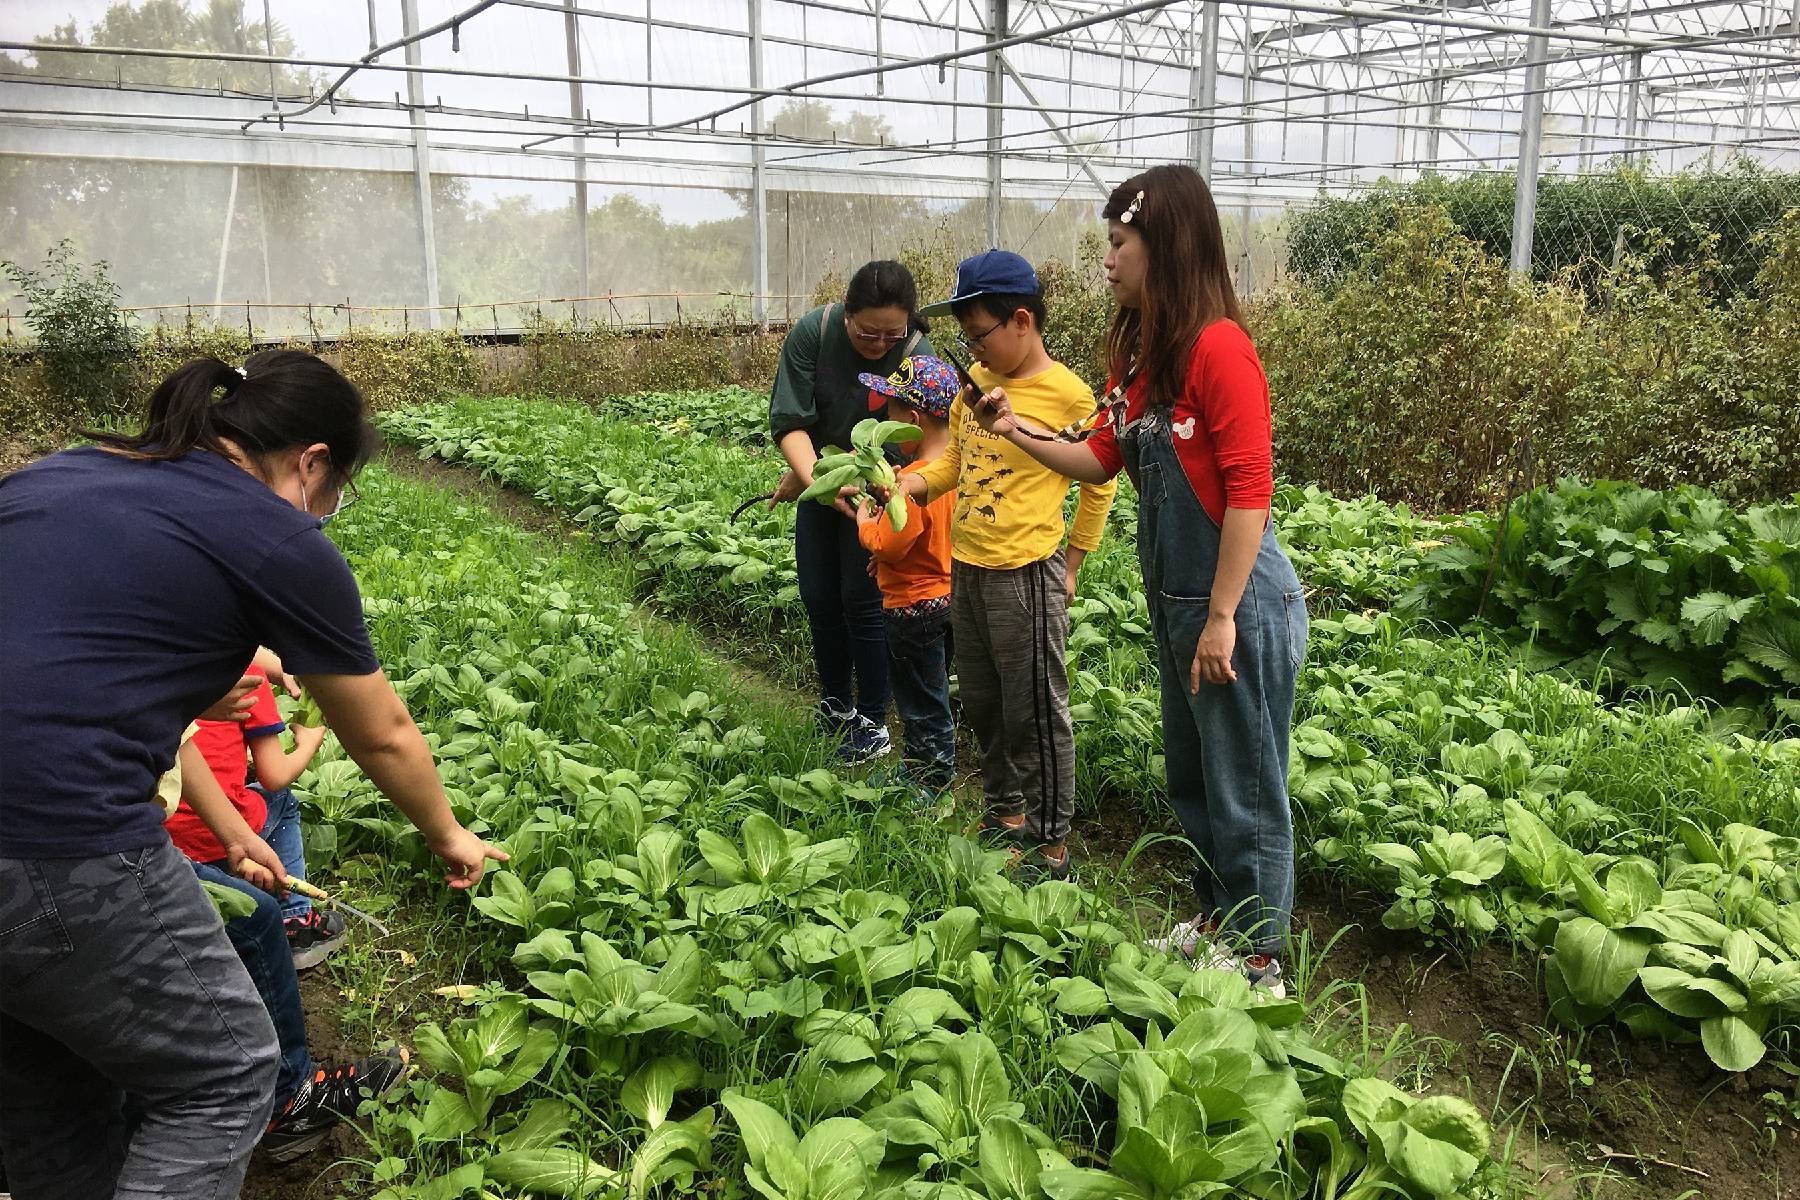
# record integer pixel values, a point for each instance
(137, 578)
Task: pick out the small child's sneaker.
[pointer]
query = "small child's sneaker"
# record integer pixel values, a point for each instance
(1198, 942)
(1264, 973)
(1000, 832)
(833, 721)
(1035, 866)
(330, 1096)
(313, 938)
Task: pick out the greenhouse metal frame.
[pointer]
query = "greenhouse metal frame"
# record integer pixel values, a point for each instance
(1048, 101)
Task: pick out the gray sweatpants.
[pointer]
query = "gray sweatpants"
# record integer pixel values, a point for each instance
(1011, 629)
(136, 1059)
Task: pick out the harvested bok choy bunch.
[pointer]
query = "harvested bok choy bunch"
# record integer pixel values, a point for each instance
(864, 466)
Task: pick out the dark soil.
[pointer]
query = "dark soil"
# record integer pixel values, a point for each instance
(318, 1174)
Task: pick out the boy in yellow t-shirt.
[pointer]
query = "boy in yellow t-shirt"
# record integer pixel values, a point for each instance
(1011, 580)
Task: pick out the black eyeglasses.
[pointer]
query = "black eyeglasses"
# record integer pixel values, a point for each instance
(969, 343)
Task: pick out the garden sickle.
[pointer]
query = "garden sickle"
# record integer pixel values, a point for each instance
(312, 893)
(743, 508)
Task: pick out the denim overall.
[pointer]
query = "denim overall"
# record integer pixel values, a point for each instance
(1225, 749)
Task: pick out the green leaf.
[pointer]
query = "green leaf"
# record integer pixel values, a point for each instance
(1732, 1042)
(649, 1091)
(765, 846)
(545, 1123)
(762, 1128)
(1542, 857)
(1009, 1164)
(1773, 641)
(1694, 997)
(551, 1171)
(839, 1155)
(1712, 614)
(1443, 1140)
(436, 1050)
(231, 903)
(1631, 887)
(1598, 963)
(825, 487)
(447, 1116)
(1085, 1183)
(1372, 1103)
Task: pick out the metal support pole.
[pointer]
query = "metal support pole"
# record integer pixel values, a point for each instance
(1244, 280)
(1531, 137)
(759, 197)
(880, 57)
(999, 23)
(1055, 128)
(1203, 88)
(269, 48)
(1634, 104)
(225, 244)
(415, 108)
(262, 229)
(649, 64)
(572, 34)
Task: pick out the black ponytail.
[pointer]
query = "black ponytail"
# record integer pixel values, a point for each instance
(281, 399)
(885, 283)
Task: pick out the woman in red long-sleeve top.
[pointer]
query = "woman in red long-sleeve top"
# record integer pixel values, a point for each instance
(1189, 420)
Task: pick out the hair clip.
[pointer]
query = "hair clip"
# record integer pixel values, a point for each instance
(1136, 203)
(242, 374)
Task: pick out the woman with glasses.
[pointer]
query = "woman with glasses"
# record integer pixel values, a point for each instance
(817, 400)
(138, 576)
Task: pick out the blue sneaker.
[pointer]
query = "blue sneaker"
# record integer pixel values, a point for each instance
(865, 741)
(832, 721)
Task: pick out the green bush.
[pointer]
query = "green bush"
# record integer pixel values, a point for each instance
(1419, 376)
(1669, 588)
(1579, 220)
(84, 342)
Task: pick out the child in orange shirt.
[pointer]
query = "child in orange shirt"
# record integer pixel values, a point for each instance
(912, 566)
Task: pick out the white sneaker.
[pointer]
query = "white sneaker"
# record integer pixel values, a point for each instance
(1197, 941)
(1264, 974)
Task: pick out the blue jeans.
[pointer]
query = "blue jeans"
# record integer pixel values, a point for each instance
(843, 608)
(1225, 746)
(262, 944)
(282, 832)
(137, 1059)
(919, 664)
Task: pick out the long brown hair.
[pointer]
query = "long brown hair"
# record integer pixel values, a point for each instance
(1187, 284)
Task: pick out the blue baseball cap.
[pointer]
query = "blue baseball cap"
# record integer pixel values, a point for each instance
(990, 273)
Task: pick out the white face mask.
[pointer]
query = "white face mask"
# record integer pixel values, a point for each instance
(346, 497)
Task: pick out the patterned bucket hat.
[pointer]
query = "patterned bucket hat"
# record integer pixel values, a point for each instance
(928, 384)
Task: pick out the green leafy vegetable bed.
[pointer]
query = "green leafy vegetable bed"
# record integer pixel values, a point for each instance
(710, 959)
(1402, 737)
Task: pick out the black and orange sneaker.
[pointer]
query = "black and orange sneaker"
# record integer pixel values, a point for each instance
(330, 1096)
(999, 832)
(1044, 862)
(314, 937)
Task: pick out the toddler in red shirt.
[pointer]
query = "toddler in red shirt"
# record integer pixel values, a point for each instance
(267, 805)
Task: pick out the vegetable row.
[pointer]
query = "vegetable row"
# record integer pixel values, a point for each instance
(1401, 737)
(710, 959)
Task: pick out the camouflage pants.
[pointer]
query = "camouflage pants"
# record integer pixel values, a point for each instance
(136, 1060)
